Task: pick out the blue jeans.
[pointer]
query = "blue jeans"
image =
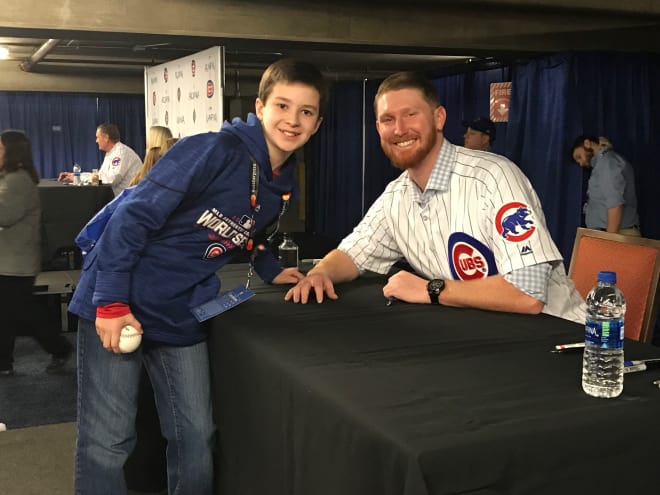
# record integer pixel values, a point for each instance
(108, 387)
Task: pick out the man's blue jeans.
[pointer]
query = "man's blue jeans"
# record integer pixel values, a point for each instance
(108, 387)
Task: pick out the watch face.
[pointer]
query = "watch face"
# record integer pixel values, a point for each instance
(436, 285)
(434, 288)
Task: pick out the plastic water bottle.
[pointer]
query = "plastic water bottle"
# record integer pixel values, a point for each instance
(288, 252)
(76, 175)
(602, 364)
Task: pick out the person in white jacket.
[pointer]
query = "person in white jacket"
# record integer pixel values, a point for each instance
(120, 164)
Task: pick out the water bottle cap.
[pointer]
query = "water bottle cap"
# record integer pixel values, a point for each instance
(607, 277)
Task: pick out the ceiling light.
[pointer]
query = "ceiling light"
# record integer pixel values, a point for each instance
(4, 53)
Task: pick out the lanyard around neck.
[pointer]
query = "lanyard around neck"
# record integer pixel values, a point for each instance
(256, 207)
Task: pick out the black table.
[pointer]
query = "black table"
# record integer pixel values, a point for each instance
(65, 209)
(355, 398)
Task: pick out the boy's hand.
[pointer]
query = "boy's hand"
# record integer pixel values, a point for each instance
(109, 330)
(289, 276)
(318, 281)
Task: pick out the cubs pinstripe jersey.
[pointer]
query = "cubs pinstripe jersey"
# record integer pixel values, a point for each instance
(478, 216)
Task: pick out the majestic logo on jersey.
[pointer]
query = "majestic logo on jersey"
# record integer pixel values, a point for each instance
(469, 258)
(230, 232)
(116, 161)
(513, 221)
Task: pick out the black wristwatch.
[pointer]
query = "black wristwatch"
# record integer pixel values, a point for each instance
(434, 288)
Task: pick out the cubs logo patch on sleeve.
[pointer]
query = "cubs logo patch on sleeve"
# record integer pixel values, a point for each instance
(116, 161)
(469, 258)
(514, 221)
(213, 250)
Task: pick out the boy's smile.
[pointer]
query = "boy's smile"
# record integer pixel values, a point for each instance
(290, 116)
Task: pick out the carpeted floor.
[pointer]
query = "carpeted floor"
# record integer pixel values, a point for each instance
(38, 460)
(32, 397)
(39, 409)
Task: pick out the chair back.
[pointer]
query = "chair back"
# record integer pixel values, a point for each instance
(635, 260)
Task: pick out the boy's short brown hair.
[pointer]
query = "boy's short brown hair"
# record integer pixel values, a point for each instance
(289, 70)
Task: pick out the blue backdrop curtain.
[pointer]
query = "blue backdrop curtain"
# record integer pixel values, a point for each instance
(451, 92)
(617, 96)
(62, 126)
(59, 125)
(335, 170)
(538, 135)
(554, 98)
(557, 98)
(127, 112)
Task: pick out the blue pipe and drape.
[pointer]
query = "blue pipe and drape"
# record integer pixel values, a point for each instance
(554, 99)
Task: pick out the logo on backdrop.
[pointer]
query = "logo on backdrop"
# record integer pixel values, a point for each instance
(514, 221)
(210, 89)
(193, 67)
(167, 117)
(469, 258)
(154, 98)
(178, 94)
(165, 76)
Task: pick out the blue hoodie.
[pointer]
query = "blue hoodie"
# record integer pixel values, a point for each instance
(161, 248)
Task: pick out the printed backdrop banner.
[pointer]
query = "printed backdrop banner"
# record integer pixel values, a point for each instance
(186, 94)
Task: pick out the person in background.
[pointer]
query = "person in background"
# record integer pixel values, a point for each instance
(611, 198)
(212, 197)
(153, 155)
(157, 136)
(479, 134)
(120, 164)
(20, 256)
(469, 224)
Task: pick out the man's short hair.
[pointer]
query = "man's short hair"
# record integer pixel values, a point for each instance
(289, 70)
(482, 124)
(408, 80)
(579, 141)
(111, 130)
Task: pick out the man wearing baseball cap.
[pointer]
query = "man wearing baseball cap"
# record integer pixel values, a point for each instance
(480, 134)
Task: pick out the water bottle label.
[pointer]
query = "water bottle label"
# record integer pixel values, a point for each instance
(605, 334)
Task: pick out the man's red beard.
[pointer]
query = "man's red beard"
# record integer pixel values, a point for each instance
(410, 158)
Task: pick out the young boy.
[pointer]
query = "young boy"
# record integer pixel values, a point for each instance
(211, 196)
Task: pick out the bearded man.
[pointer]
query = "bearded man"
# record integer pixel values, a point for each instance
(467, 222)
(611, 200)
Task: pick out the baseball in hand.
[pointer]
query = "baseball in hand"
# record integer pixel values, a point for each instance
(129, 340)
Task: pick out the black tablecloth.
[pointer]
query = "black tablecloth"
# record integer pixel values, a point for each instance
(65, 209)
(353, 397)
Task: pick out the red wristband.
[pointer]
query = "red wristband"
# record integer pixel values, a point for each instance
(113, 310)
